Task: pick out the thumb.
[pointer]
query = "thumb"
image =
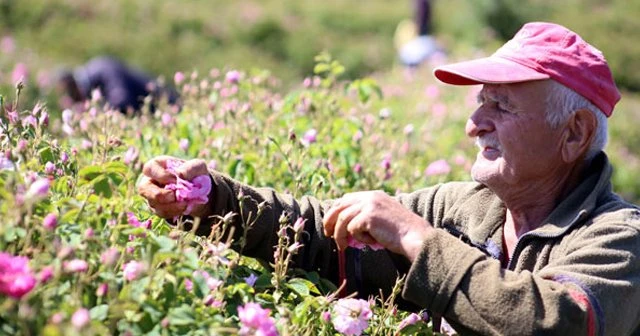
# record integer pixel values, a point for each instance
(156, 170)
(192, 169)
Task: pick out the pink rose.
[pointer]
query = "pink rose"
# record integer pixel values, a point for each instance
(16, 278)
(255, 320)
(75, 266)
(133, 270)
(192, 192)
(351, 316)
(439, 167)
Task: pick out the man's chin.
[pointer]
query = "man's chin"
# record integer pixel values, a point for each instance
(483, 173)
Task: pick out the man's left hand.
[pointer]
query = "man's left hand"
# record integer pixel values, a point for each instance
(375, 217)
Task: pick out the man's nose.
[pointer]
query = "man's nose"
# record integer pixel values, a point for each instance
(478, 123)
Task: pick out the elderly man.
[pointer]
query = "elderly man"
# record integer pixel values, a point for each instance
(537, 244)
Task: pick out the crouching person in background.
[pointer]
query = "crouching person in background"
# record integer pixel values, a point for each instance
(122, 87)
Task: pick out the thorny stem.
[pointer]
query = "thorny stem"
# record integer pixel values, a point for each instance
(389, 304)
(294, 172)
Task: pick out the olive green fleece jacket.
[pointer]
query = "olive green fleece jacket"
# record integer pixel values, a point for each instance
(577, 274)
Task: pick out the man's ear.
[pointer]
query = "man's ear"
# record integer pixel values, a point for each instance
(578, 134)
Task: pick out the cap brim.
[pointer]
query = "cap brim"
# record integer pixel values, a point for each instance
(489, 70)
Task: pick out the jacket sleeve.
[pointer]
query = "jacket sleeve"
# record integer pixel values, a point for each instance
(590, 289)
(368, 272)
(262, 235)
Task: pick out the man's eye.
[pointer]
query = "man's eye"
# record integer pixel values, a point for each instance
(501, 107)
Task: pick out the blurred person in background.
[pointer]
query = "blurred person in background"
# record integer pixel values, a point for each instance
(538, 243)
(414, 39)
(121, 87)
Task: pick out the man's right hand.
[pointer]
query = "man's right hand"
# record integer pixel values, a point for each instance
(156, 177)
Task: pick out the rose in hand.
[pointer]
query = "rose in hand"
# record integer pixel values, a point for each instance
(175, 187)
(375, 219)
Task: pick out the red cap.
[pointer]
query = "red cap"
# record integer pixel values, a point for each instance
(538, 51)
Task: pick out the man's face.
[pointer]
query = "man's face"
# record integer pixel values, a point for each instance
(517, 147)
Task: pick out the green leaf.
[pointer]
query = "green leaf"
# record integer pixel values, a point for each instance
(302, 286)
(102, 186)
(116, 178)
(253, 263)
(10, 234)
(154, 314)
(117, 167)
(265, 299)
(264, 281)
(320, 68)
(100, 312)
(337, 69)
(138, 289)
(323, 57)
(419, 328)
(166, 244)
(233, 167)
(200, 287)
(169, 294)
(304, 310)
(46, 154)
(191, 259)
(89, 173)
(181, 316)
(135, 231)
(167, 257)
(240, 288)
(69, 216)
(313, 277)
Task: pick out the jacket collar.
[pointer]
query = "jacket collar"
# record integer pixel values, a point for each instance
(582, 200)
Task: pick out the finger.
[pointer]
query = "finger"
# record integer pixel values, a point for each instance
(331, 216)
(192, 168)
(157, 171)
(363, 237)
(163, 159)
(154, 193)
(169, 210)
(200, 210)
(341, 233)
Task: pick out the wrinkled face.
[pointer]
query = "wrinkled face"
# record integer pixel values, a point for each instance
(517, 147)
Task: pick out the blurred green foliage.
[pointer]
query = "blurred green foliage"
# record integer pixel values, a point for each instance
(612, 26)
(166, 36)
(283, 36)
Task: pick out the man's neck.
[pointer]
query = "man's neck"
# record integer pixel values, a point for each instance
(528, 208)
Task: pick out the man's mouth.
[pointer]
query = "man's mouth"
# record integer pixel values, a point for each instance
(488, 148)
(485, 144)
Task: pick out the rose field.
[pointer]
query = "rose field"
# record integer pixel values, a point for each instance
(81, 253)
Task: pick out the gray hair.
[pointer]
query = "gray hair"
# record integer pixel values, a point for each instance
(562, 102)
